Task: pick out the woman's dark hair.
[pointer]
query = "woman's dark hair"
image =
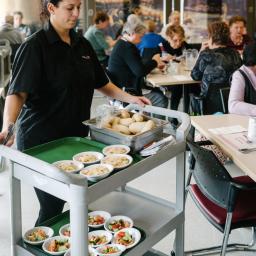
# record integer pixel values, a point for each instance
(235, 19)
(219, 32)
(100, 16)
(249, 55)
(44, 15)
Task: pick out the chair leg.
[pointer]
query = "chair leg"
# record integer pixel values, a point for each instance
(229, 248)
(226, 233)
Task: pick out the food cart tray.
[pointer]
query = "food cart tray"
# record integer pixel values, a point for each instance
(63, 149)
(56, 223)
(135, 142)
(66, 148)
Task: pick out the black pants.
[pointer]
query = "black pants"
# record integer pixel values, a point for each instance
(50, 206)
(177, 92)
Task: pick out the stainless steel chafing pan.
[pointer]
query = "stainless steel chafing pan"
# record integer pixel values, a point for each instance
(135, 142)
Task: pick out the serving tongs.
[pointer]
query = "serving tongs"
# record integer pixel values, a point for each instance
(10, 131)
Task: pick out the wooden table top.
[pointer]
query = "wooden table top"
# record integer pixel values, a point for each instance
(246, 162)
(157, 78)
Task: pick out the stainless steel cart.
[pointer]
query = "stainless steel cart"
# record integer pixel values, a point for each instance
(157, 217)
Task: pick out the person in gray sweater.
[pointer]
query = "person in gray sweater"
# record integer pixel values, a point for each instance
(7, 31)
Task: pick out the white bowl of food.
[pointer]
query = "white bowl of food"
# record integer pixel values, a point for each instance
(116, 149)
(56, 245)
(38, 235)
(118, 161)
(128, 237)
(116, 223)
(65, 230)
(97, 172)
(89, 157)
(97, 219)
(110, 249)
(99, 237)
(68, 166)
(91, 250)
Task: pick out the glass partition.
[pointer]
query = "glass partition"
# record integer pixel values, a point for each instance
(198, 13)
(118, 10)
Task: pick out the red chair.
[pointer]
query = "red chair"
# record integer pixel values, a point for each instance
(227, 203)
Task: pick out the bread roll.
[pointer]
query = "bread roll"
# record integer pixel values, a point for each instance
(126, 121)
(115, 121)
(121, 128)
(138, 117)
(124, 113)
(106, 125)
(148, 126)
(107, 122)
(136, 127)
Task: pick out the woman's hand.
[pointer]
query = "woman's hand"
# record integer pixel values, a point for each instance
(3, 135)
(140, 100)
(204, 45)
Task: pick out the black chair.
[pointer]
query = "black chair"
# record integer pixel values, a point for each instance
(211, 103)
(224, 94)
(226, 202)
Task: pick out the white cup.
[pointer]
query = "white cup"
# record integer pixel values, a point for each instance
(252, 129)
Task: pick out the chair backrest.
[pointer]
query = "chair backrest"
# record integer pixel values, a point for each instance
(210, 175)
(213, 101)
(224, 94)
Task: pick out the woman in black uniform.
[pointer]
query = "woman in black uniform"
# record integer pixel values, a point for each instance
(54, 75)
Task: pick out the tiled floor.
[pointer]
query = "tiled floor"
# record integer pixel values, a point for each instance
(160, 182)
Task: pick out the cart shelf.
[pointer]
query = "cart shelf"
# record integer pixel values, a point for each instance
(155, 216)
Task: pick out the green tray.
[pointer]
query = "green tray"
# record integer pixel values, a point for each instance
(66, 148)
(56, 223)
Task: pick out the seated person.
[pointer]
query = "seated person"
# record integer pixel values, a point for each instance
(150, 39)
(242, 96)
(173, 19)
(237, 27)
(96, 37)
(8, 32)
(18, 24)
(126, 69)
(174, 46)
(216, 61)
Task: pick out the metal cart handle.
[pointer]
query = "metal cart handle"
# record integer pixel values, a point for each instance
(40, 166)
(181, 132)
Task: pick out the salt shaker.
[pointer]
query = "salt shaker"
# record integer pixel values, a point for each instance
(252, 129)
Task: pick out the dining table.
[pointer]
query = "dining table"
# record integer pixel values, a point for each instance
(229, 132)
(174, 74)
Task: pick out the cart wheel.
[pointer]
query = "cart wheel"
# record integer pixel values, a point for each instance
(172, 253)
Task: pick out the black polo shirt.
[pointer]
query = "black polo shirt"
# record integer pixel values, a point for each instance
(60, 80)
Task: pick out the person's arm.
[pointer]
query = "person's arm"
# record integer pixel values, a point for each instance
(115, 92)
(13, 106)
(236, 104)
